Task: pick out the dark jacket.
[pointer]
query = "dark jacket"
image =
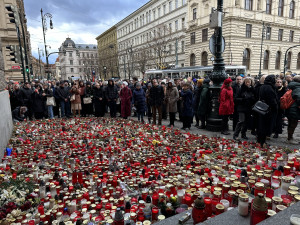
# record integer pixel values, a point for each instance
(156, 95)
(139, 100)
(245, 99)
(203, 106)
(38, 102)
(267, 93)
(16, 115)
(62, 93)
(187, 103)
(294, 111)
(111, 92)
(197, 93)
(25, 96)
(15, 98)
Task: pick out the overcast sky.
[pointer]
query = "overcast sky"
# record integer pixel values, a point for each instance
(81, 20)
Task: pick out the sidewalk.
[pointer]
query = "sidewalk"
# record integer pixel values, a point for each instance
(280, 141)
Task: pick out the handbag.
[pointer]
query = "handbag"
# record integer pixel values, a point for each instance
(50, 101)
(87, 100)
(261, 108)
(72, 98)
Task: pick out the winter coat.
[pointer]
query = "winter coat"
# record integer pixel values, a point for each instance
(156, 96)
(294, 111)
(245, 99)
(111, 92)
(197, 93)
(75, 91)
(267, 93)
(187, 103)
(38, 102)
(25, 96)
(16, 115)
(88, 91)
(172, 96)
(125, 97)
(15, 99)
(226, 101)
(62, 93)
(203, 106)
(139, 100)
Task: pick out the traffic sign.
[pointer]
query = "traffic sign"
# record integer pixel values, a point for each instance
(15, 67)
(212, 44)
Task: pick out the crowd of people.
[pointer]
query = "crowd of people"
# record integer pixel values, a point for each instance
(187, 100)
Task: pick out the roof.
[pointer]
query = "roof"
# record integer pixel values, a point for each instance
(85, 46)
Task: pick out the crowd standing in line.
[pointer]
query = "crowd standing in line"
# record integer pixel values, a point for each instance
(158, 99)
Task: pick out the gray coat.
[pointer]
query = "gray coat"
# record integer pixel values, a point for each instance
(172, 97)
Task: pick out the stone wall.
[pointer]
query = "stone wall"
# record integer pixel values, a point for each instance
(6, 124)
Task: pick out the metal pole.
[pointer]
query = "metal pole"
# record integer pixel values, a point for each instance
(124, 67)
(176, 51)
(21, 55)
(43, 25)
(40, 63)
(261, 46)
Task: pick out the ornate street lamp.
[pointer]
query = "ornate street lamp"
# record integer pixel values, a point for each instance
(44, 25)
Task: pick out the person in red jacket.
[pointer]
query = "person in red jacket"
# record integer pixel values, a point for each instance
(226, 104)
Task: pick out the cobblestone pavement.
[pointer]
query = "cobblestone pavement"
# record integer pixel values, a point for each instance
(280, 141)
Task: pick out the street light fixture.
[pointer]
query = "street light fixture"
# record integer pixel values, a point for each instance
(44, 25)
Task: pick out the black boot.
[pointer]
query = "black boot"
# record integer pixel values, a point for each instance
(244, 137)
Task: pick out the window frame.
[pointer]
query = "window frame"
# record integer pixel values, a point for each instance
(248, 30)
(193, 38)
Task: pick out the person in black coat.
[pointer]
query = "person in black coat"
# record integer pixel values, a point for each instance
(280, 91)
(139, 101)
(244, 101)
(15, 100)
(197, 94)
(111, 95)
(156, 99)
(267, 94)
(98, 100)
(25, 98)
(38, 104)
(63, 94)
(186, 96)
(19, 113)
(236, 87)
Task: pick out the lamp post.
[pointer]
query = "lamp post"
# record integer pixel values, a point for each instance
(44, 25)
(40, 50)
(285, 60)
(218, 75)
(261, 46)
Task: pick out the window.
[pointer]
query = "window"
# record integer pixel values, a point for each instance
(176, 25)
(183, 2)
(289, 60)
(170, 6)
(204, 59)
(291, 39)
(292, 10)
(72, 70)
(269, 6)
(70, 54)
(280, 7)
(192, 60)
(176, 4)
(164, 8)
(204, 34)
(246, 58)
(194, 13)
(278, 60)
(154, 15)
(280, 34)
(80, 70)
(266, 60)
(298, 61)
(193, 38)
(182, 46)
(268, 33)
(71, 62)
(158, 12)
(248, 4)
(170, 49)
(170, 27)
(182, 23)
(248, 30)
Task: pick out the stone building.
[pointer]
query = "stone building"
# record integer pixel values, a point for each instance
(38, 67)
(78, 60)
(152, 37)
(108, 53)
(244, 23)
(8, 35)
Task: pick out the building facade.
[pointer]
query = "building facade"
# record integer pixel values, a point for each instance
(108, 54)
(244, 24)
(152, 37)
(9, 36)
(38, 67)
(78, 60)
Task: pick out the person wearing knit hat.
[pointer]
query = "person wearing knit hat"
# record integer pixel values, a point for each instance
(125, 83)
(226, 104)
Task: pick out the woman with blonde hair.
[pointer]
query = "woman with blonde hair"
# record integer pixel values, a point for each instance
(75, 99)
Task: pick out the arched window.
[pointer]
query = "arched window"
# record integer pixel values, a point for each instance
(280, 7)
(192, 60)
(289, 60)
(246, 58)
(266, 60)
(204, 60)
(248, 4)
(278, 60)
(292, 10)
(298, 61)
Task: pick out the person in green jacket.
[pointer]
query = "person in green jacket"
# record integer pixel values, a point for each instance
(293, 113)
(203, 107)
